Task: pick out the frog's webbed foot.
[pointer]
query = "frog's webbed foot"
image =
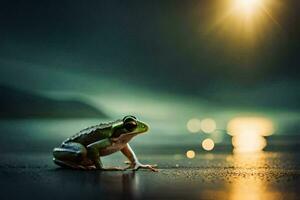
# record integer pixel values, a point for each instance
(138, 165)
(142, 166)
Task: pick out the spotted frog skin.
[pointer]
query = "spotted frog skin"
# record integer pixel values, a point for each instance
(85, 149)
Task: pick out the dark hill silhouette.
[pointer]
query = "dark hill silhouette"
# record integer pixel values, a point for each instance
(16, 103)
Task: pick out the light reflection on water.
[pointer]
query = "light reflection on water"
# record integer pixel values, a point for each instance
(252, 184)
(251, 189)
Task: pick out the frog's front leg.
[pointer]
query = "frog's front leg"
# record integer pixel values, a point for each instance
(93, 151)
(134, 162)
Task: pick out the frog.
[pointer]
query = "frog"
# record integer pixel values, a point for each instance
(85, 149)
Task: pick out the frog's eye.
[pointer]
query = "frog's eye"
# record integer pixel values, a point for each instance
(128, 117)
(130, 123)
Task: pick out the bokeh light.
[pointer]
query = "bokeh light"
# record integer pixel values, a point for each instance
(190, 154)
(193, 125)
(208, 144)
(208, 125)
(250, 125)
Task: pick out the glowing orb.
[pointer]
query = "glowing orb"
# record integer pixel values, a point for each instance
(248, 133)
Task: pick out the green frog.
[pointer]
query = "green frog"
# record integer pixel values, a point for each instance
(84, 149)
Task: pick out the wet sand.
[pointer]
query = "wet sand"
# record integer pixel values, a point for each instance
(208, 176)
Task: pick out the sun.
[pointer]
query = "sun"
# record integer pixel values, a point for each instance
(247, 7)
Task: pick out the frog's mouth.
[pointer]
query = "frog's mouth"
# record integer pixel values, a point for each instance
(141, 128)
(144, 126)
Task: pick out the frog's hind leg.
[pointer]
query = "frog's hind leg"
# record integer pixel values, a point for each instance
(70, 155)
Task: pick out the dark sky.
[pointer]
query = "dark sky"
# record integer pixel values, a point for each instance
(159, 45)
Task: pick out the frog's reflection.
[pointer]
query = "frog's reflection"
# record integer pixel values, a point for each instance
(131, 185)
(126, 183)
(115, 184)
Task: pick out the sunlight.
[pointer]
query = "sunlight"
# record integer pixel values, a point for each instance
(246, 20)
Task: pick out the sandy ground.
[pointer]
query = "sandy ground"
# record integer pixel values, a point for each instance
(208, 176)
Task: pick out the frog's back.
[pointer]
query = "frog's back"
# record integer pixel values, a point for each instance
(91, 134)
